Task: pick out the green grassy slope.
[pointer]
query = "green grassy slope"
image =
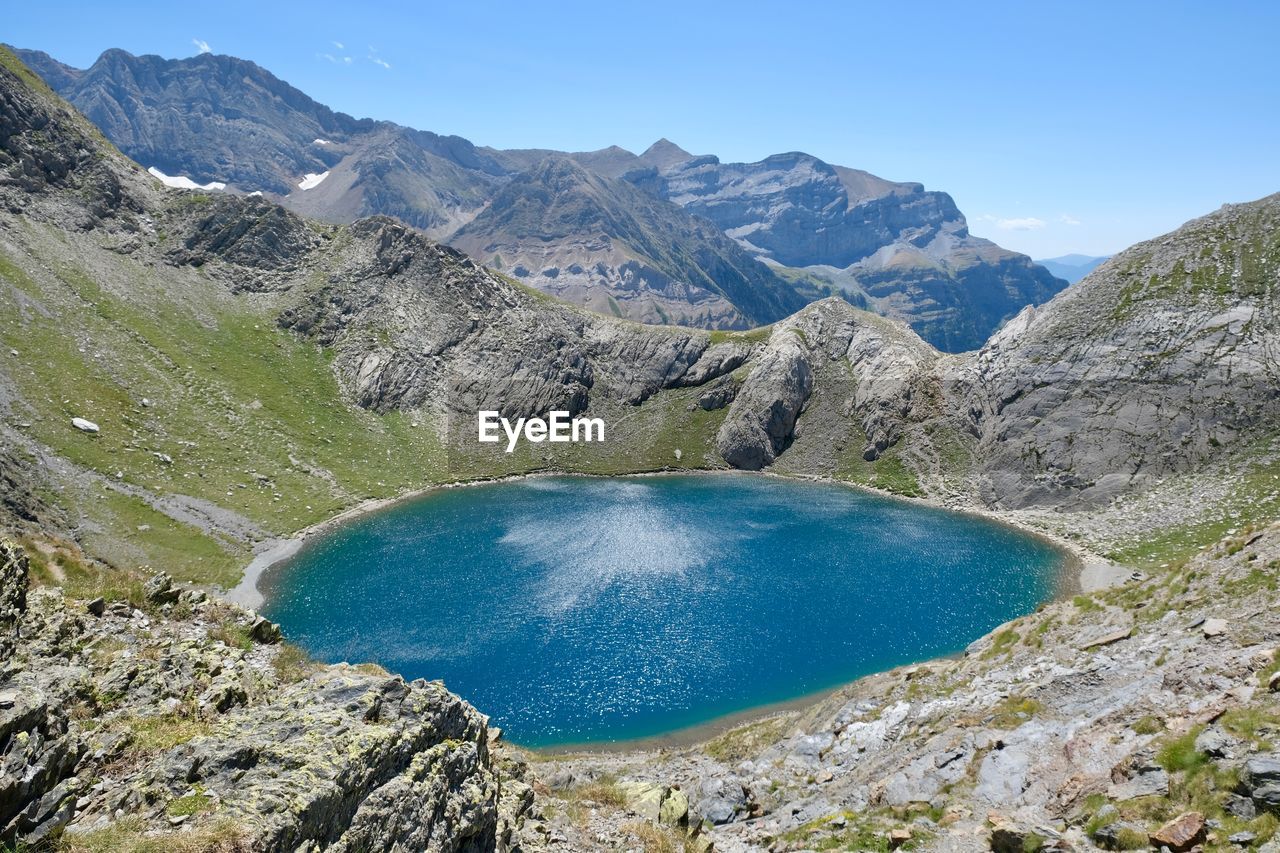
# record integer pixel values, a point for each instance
(171, 366)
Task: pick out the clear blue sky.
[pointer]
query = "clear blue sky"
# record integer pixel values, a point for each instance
(1058, 127)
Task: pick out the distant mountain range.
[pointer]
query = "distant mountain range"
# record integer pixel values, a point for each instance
(1073, 267)
(660, 237)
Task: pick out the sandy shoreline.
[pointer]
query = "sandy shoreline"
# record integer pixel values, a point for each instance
(1084, 572)
(246, 593)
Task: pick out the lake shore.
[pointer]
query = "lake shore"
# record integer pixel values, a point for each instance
(1082, 571)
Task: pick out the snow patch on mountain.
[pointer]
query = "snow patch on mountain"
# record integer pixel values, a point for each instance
(311, 181)
(184, 183)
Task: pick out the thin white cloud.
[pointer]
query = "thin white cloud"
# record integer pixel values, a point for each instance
(376, 60)
(336, 60)
(338, 45)
(1068, 219)
(202, 46)
(1024, 223)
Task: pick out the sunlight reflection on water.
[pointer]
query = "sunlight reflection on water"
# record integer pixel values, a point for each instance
(578, 609)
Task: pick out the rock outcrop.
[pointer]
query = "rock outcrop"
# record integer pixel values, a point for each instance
(13, 596)
(173, 715)
(48, 151)
(1155, 363)
(763, 416)
(439, 332)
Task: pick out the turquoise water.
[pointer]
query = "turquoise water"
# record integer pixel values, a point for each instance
(576, 609)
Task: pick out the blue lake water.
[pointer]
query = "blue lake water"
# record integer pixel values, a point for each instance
(574, 609)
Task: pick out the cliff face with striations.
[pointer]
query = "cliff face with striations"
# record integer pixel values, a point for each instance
(893, 247)
(222, 119)
(1155, 363)
(600, 242)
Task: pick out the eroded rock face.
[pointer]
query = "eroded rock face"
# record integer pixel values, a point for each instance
(219, 118)
(45, 145)
(1147, 367)
(798, 209)
(763, 416)
(458, 338)
(345, 761)
(251, 233)
(600, 242)
(883, 367)
(13, 595)
(18, 502)
(188, 726)
(37, 790)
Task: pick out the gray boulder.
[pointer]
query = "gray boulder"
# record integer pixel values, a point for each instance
(762, 419)
(1260, 781)
(1216, 743)
(160, 589)
(720, 800)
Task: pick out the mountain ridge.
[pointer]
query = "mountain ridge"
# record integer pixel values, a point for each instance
(591, 235)
(954, 290)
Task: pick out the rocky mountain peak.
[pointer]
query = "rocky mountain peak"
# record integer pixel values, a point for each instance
(559, 174)
(605, 243)
(48, 149)
(134, 100)
(893, 247)
(664, 153)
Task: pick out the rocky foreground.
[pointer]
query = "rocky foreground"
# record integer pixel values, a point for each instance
(164, 719)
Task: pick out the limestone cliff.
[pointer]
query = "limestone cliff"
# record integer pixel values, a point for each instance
(1161, 359)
